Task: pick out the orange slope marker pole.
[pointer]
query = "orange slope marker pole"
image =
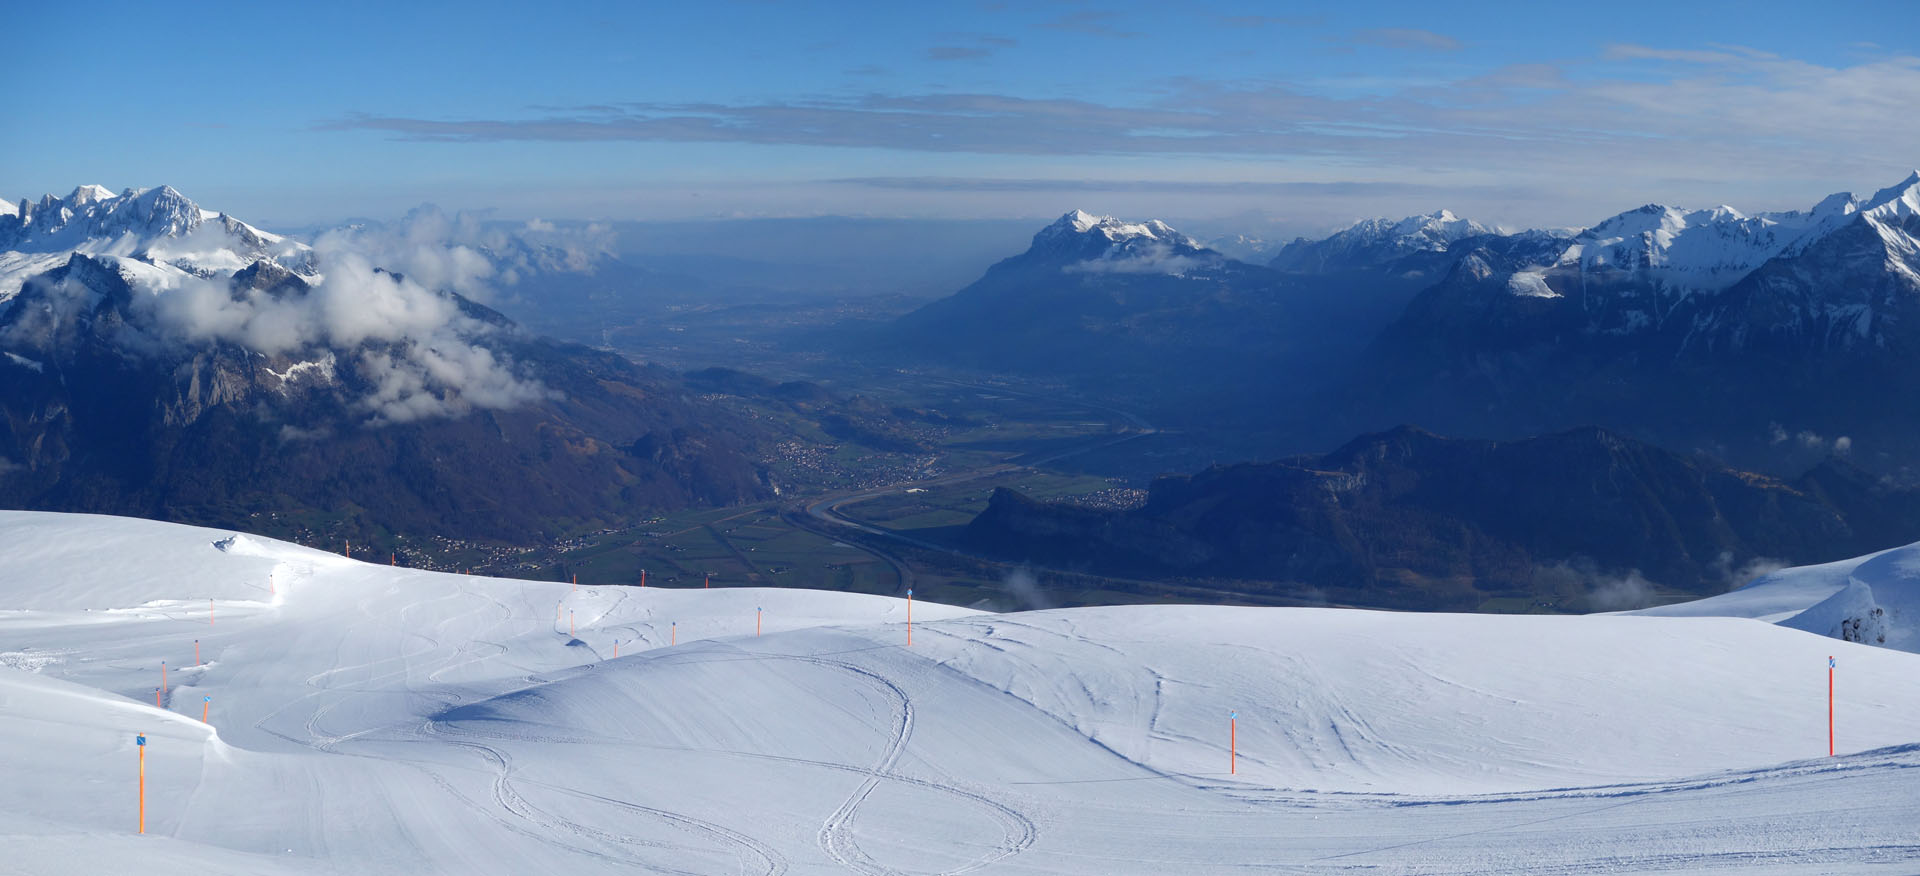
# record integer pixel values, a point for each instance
(163, 676)
(140, 741)
(393, 559)
(349, 548)
(616, 649)
(709, 584)
(570, 623)
(205, 704)
(673, 630)
(1829, 705)
(576, 582)
(156, 699)
(909, 617)
(1233, 743)
(756, 621)
(196, 653)
(643, 577)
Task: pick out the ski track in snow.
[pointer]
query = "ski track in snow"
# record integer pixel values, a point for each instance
(837, 837)
(405, 721)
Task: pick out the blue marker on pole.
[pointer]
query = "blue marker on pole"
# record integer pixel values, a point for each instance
(1233, 743)
(141, 741)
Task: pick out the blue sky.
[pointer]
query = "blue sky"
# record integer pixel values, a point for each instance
(1283, 114)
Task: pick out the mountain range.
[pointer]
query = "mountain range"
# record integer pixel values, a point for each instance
(1135, 310)
(1705, 329)
(1573, 521)
(168, 361)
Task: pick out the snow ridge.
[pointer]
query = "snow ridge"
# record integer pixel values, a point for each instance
(1699, 250)
(1375, 242)
(1080, 222)
(1682, 252)
(135, 229)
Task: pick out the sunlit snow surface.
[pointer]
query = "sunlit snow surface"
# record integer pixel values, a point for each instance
(367, 719)
(1873, 599)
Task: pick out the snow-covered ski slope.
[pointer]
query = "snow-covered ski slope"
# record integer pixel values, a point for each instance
(366, 719)
(1873, 599)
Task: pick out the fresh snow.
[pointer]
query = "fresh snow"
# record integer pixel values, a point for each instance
(319, 369)
(1698, 250)
(1375, 242)
(373, 719)
(1082, 222)
(18, 267)
(1530, 284)
(89, 194)
(1688, 251)
(1893, 202)
(156, 227)
(1873, 599)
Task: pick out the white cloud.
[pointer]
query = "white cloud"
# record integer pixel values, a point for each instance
(1157, 257)
(1407, 38)
(423, 355)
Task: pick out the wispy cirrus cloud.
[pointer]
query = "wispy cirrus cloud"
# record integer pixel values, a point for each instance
(1092, 22)
(971, 48)
(1259, 21)
(1406, 38)
(1334, 188)
(957, 53)
(1635, 113)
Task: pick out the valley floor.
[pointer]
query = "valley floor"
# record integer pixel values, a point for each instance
(365, 719)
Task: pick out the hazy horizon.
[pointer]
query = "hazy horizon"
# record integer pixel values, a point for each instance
(1215, 114)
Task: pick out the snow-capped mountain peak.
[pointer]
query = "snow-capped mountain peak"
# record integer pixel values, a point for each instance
(1439, 227)
(1900, 199)
(1705, 250)
(1081, 242)
(1375, 242)
(88, 194)
(1083, 221)
(157, 227)
(1836, 204)
(1115, 230)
